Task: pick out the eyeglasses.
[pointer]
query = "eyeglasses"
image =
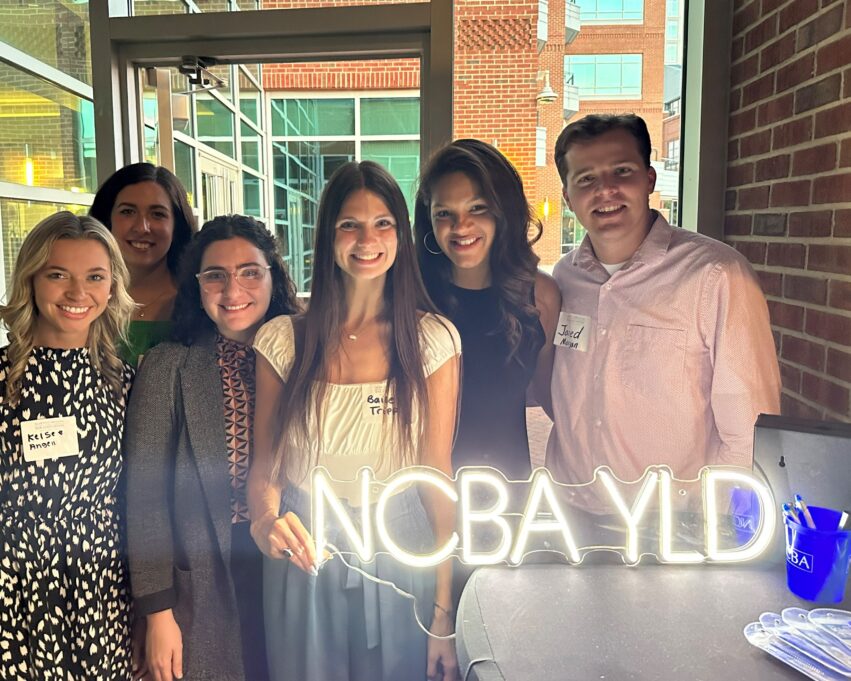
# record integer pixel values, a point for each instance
(247, 276)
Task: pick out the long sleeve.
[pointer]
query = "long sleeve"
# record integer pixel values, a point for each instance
(745, 374)
(150, 439)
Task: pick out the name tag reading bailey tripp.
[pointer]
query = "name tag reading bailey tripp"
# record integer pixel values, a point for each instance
(49, 438)
(572, 331)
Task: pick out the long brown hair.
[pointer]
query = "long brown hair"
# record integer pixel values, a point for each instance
(513, 263)
(317, 332)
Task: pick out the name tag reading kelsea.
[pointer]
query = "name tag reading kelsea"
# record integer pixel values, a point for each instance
(572, 331)
(377, 404)
(49, 438)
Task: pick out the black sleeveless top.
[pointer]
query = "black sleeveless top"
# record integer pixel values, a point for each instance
(492, 423)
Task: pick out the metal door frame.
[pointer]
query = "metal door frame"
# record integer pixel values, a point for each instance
(122, 44)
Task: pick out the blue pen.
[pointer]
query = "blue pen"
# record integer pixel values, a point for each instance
(808, 518)
(791, 513)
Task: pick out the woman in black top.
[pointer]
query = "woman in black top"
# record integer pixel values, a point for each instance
(475, 231)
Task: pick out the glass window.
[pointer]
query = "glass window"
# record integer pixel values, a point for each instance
(313, 117)
(390, 116)
(18, 218)
(147, 7)
(251, 153)
(48, 137)
(606, 76)
(215, 124)
(53, 31)
(184, 168)
(611, 11)
(252, 196)
(249, 97)
(572, 232)
(402, 159)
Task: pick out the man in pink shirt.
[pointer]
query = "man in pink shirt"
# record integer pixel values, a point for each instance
(664, 350)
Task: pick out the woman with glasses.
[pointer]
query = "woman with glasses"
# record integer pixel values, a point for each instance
(195, 571)
(147, 210)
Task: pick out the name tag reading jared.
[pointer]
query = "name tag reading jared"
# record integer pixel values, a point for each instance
(49, 438)
(572, 331)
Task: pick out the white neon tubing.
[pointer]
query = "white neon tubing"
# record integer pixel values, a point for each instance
(468, 478)
(542, 487)
(403, 478)
(322, 492)
(666, 530)
(767, 518)
(633, 516)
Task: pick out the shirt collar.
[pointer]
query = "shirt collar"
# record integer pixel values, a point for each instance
(652, 249)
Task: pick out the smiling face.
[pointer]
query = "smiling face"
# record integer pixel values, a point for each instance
(238, 307)
(143, 223)
(365, 239)
(71, 291)
(464, 228)
(607, 186)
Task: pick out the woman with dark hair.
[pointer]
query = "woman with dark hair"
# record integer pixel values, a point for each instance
(147, 210)
(63, 576)
(369, 337)
(473, 225)
(195, 570)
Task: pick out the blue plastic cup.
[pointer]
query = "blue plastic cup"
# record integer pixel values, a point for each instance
(817, 560)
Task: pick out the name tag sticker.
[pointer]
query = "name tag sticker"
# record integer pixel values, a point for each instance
(572, 331)
(377, 404)
(49, 438)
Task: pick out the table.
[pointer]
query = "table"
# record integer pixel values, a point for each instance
(610, 621)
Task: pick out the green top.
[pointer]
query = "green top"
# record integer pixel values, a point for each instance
(142, 336)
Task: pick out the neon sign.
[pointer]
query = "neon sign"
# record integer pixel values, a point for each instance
(544, 514)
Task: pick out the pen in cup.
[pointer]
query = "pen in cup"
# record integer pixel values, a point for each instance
(805, 512)
(790, 512)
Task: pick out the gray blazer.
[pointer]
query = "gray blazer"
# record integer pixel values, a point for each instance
(178, 505)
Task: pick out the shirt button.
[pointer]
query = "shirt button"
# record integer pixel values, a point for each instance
(596, 376)
(598, 423)
(608, 287)
(603, 331)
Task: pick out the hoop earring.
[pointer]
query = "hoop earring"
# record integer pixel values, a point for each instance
(425, 244)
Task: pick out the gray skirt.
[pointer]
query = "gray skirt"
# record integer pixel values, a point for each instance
(341, 626)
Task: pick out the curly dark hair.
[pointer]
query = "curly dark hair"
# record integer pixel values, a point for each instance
(513, 263)
(184, 219)
(189, 318)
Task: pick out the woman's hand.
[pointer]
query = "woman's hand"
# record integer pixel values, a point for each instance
(285, 537)
(442, 662)
(164, 647)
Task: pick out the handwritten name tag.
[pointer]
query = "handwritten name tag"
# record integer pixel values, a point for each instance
(377, 404)
(49, 438)
(572, 331)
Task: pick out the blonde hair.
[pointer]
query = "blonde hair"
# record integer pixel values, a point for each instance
(20, 314)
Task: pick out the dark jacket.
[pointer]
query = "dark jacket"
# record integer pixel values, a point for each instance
(178, 505)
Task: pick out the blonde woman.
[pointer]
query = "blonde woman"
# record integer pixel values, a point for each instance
(63, 582)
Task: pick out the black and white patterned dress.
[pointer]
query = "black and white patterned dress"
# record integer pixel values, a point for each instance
(64, 595)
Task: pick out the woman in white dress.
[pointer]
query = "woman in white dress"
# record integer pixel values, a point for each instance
(369, 337)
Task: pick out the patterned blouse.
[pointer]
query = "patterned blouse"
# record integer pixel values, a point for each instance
(236, 365)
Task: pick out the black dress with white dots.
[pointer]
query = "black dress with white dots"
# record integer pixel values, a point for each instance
(64, 594)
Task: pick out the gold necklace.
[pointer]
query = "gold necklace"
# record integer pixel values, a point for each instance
(141, 306)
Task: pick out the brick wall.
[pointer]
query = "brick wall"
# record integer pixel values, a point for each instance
(789, 187)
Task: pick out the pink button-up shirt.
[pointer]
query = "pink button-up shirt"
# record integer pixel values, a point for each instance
(668, 361)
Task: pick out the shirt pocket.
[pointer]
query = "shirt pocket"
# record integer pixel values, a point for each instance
(653, 361)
